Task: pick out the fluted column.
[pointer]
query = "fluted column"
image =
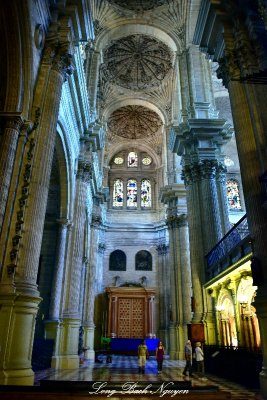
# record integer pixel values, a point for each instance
(88, 312)
(68, 349)
(180, 276)
(53, 324)
(7, 156)
(164, 293)
(18, 289)
(56, 292)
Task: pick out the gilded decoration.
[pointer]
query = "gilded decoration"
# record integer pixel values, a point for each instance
(134, 122)
(137, 62)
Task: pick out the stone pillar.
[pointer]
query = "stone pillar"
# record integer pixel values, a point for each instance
(92, 72)
(7, 156)
(53, 324)
(88, 312)
(174, 197)
(180, 280)
(151, 316)
(200, 142)
(164, 294)
(19, 296)
(67, 356)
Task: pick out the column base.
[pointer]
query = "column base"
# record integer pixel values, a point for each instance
(65, 362)
(90, 355)
(17, 377)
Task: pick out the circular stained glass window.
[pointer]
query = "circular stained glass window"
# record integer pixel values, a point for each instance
(118, 160)
(146, 160)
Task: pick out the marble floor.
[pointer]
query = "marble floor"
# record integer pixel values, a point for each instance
(125, 369)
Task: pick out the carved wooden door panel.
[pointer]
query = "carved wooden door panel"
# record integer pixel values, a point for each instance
(131, 318)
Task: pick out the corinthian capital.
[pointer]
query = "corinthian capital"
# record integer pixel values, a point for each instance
(59, 47)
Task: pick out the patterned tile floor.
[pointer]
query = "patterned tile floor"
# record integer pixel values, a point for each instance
(125, 369)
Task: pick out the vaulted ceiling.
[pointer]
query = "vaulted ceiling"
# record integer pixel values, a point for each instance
(139, 41)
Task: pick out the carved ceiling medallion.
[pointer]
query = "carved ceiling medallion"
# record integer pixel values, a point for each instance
(137, 62)
(138, 5)
(134, 122)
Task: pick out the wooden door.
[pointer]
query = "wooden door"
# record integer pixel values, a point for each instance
(131, 312)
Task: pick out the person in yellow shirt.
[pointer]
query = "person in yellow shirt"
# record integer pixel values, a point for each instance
(142, 356)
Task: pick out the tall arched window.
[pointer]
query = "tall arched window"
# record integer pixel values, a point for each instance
(132, 159)
(117, 261)
(132, 193)
(233, 194)
(145, 193)
(143, 261)
(118, 193)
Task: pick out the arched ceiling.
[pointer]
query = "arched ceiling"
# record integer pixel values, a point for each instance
(134, 122)
(138, 5)
(139, 42)
(137, 62)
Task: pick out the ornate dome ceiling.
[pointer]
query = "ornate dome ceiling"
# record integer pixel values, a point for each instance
(137, 62)
(138, 5)
(134, 122)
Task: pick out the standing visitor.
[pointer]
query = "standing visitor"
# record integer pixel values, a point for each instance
(159, 356)
(200, 361)
(142, 356)
(188, 358)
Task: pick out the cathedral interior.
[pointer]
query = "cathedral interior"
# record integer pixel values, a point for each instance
(133, 185)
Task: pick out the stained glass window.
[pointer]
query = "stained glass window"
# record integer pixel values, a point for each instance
(233, 195)
(132, 193)
(132, 159)
(118, 193)
(145, 193)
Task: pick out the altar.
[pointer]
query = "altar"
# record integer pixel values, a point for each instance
(130, 346)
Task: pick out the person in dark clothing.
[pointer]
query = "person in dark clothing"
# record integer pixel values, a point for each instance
(159, 356)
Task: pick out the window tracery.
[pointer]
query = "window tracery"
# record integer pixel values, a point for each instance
(233, 194)
(145, 193)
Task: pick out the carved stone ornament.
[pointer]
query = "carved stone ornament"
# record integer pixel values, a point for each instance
(84, 171)
(138, 5)
(206, 169)
(134, 122)
(137, 62)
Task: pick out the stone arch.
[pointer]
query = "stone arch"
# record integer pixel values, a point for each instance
(140, 147)
(135, 101)
(64, 162)
(16, 84)
(116, 32)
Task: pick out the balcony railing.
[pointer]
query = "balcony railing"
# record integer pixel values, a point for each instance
(231, 248)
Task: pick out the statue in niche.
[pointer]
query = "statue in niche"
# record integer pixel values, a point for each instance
(143, 261)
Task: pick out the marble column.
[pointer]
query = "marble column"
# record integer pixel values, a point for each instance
(19, 296)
